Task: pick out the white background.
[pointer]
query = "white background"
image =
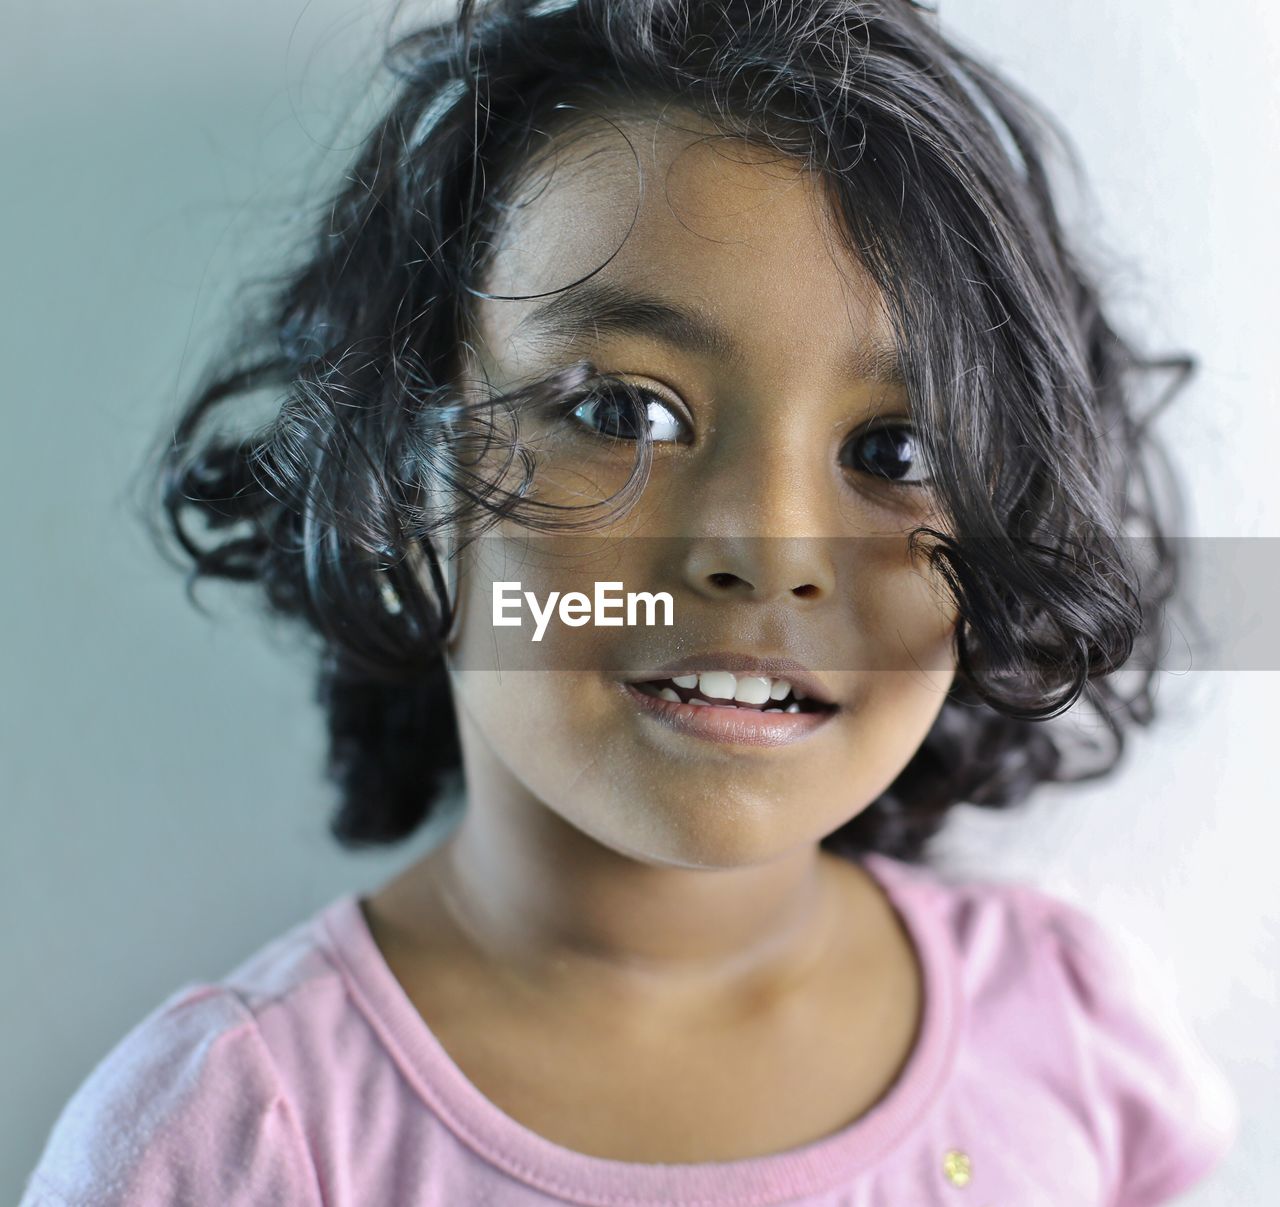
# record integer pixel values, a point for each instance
(163, 811)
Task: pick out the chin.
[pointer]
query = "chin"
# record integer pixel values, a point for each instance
(726, 832)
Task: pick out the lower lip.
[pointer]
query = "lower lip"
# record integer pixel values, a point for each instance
(736, 726)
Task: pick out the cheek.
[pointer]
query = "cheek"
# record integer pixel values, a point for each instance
(534, 704)
(903, 666)
(896, 710)
(501, 629)
(904, 615)
(536, 722)
(559, 743)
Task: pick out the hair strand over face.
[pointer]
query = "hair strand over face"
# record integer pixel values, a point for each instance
(1026, 398)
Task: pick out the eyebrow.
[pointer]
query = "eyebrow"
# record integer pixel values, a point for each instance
(603, 307)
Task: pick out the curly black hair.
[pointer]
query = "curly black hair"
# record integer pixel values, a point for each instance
(939, 170)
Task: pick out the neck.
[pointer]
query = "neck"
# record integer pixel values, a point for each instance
(543, 900)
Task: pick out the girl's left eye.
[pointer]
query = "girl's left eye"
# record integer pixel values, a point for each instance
(892, 452)
(618, 413)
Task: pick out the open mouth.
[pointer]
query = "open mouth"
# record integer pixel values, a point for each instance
(720, 689)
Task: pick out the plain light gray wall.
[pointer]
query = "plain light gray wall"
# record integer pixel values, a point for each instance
(163, 807)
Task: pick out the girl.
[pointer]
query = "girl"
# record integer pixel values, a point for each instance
(763, 311)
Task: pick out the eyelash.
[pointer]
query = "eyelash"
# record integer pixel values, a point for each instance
(650, 399)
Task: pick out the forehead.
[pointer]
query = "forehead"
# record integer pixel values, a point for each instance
(672, 209)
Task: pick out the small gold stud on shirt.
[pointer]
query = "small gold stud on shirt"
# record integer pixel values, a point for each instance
(957, 1166)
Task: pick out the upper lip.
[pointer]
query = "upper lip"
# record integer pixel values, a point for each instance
(795, 673)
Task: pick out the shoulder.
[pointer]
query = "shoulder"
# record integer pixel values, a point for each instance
(1091, 1005)
(189, 1105)
(1166, 1111)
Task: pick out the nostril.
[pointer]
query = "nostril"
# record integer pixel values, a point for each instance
(724, 579)
(806, 591)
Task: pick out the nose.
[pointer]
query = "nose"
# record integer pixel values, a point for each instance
(755, 524)
(761, 568)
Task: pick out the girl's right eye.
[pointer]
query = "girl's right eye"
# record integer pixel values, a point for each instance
(618, 413)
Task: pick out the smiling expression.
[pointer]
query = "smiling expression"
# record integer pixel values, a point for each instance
(767, 364)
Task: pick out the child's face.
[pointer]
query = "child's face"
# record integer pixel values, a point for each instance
(741, 237)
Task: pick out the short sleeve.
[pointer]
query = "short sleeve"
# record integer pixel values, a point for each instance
(1164, 1114)
(186, 1108)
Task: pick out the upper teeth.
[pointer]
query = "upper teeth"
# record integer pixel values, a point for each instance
(750, 689)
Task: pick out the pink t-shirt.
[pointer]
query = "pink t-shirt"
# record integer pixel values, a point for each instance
(1044, 1075)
